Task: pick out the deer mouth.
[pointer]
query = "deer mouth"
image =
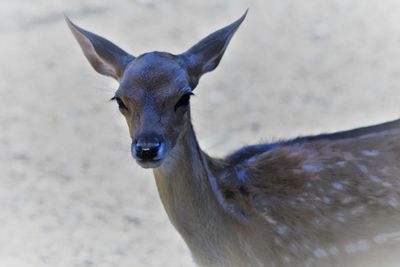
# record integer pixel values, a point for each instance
(149, 164)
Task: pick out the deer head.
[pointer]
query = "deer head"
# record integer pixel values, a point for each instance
(154, 88)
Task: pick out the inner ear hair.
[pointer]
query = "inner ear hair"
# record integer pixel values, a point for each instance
(104, 56)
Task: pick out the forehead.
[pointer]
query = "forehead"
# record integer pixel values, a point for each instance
(153, 73)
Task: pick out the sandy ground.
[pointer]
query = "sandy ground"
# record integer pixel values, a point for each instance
(70, 195)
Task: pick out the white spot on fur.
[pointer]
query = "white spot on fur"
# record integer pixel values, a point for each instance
(386, 184)
(320, 253)
(362, 168)
(383, 238)
(282, 229)
(327, 200)
(370, 153)
(393, 202)
(347, 200)
(375, 179)
(337, 186)
(359, 210)
(359, 246)
(348, 156)
(269, 219)
(312, 167)
(341, 164)
(340, 217)
(301, 199)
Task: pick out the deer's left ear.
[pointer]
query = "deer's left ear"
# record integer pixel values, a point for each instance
(104, 56)
(206, 54)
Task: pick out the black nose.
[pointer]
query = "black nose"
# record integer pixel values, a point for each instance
(146, 150)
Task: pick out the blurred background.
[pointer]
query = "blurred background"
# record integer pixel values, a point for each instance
(70, 195)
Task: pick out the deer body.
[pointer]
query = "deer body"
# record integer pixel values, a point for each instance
(327, 200)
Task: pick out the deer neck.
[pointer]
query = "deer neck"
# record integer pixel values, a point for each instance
(184, 182)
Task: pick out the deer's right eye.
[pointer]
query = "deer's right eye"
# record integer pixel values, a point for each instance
(120, 103)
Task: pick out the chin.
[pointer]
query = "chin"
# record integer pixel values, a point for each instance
(149, 164)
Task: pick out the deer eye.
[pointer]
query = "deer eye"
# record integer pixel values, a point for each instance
(183, 101)
(120, 103)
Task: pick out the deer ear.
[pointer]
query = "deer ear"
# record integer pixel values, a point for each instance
(104, 56)
(206, 54)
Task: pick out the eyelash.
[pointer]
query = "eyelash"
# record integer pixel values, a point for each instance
(183, 101)
(121, 104)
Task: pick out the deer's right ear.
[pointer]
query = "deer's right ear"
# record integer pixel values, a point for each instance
(104, 56)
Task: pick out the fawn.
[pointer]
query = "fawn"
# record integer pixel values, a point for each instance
(325, 200)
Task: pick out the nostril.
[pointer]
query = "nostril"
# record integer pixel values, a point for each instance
(147, 151)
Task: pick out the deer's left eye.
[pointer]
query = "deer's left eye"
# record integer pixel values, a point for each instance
(183, 101)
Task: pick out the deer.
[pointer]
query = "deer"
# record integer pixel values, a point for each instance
(331, 199)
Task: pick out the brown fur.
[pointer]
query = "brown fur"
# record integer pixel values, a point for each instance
(279, 216)
(327, 200)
